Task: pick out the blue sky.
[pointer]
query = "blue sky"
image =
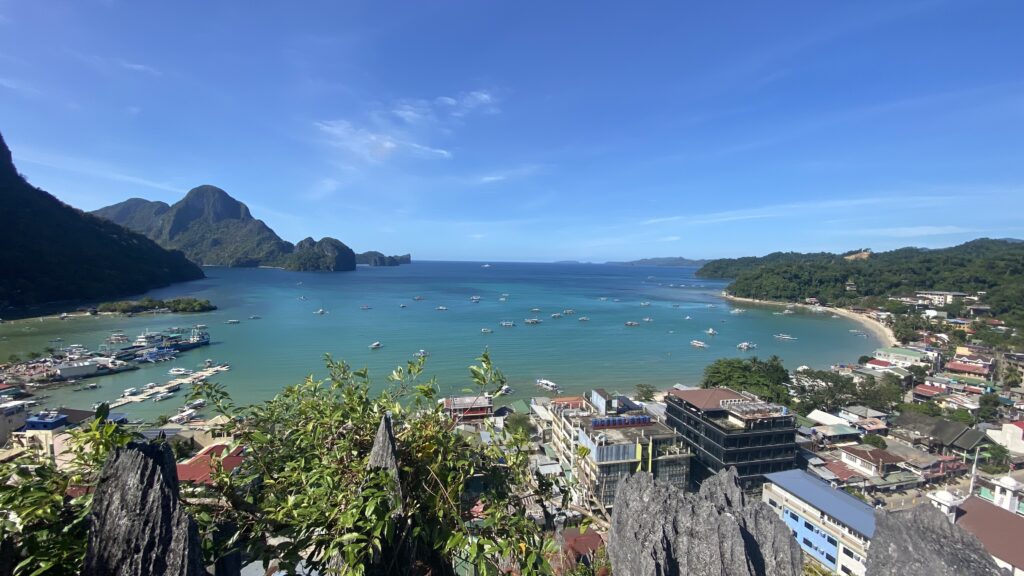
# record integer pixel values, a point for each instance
(535, 130)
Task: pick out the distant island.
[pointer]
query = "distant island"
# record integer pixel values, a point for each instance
(53, 252)
(666, 261)
(213, 229)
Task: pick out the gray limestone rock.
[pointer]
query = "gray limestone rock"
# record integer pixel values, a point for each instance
(923, 541)
(137, 524)
(660, 530)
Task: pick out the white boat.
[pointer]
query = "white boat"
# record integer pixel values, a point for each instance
(441, 308)
(182, 417)
(788, 311)
(402, 306)
(486, 330)
(474, 299)
(200, 326)
(746, 345)
(417, 298)
(421, 353)
(130, 392)
(584, 318)
(320, 312)
(535, 310)
(785, 337)
(648, 319)
(710, 332)
(179, 372)
(568, 311)
(505, 389)
(485, 265)
(503, 299)
(232, 321)
(632, 323)
(698, 344)
(193, 405)
(376, 345)
(547, 385)
(556, 315)
(254, 317)
(834, 316)
(603, 298)
(737, 311)
(507, 323)
(163, 396)
(645, 304)
(532, 321)
(687, 318)
(365, 307)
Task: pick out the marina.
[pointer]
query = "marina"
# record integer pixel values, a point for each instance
(159, 392)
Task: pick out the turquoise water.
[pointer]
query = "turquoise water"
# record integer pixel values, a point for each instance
(288, 343)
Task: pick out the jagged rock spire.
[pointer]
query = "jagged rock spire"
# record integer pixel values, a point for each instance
(137, 523)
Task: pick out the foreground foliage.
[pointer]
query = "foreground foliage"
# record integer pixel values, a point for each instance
(304, 493)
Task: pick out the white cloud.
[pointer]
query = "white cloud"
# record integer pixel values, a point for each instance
(18, 86)
(136, 67)
(323, 188)
(492, 178)
(87, 167)
(670, 239)
(915, 231)
(110, 64)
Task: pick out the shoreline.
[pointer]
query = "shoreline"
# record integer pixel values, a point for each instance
(879, 330)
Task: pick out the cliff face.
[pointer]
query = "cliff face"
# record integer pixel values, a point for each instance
(53, 252)
(326, 254)
(922, 541)
(374, 258)
(137, 523)
(659, 530)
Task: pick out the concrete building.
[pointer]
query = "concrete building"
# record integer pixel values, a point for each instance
(620, 439)
(998, 524)
(12, 417)
(1011, 437)
(468, 408)
(941, 298)
(725, 428)
(902, 357)
(831, 526)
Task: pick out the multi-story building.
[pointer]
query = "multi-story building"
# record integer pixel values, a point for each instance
(725, 428)
(831, 526)
(941, 298)
(468, 408)
(12, 417)
(620, 439)
(903, 357)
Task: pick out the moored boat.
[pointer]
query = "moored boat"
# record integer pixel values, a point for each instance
(376, 345)
(698, 344)
(785, 337)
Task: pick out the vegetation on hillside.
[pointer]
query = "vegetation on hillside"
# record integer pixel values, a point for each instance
(53, 252)
(993, 266)
(177, 305)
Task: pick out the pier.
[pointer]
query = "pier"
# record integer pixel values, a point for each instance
(171, 386)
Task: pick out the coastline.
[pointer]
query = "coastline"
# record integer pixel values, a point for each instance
(879, 330)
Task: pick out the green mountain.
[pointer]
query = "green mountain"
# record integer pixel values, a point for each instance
(374, 258)
(665, 261)
(53, 252)
(992, 266)
(214, 229)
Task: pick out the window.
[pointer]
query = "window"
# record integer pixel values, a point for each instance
(807, 543)
(846, 570)
(831, 559)
(773, 503)
(847, 552)
(808, 525)
(831, 540)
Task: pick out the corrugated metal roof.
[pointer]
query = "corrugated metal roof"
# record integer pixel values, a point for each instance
(836, 503)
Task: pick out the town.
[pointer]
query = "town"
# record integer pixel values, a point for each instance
(954, 440)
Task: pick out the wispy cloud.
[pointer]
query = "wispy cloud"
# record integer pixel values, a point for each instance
(791, 209)
(323, 188)
(404, 126)
(915, 231)
(109, 64)
(670, 239)
(21, 87)
(511, 173)
(373, 146)
(88, 167)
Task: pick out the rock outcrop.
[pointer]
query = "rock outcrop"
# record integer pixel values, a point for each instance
(659, 530)
(327, 254)
(923, 541)
(137, 524)
(374, 258)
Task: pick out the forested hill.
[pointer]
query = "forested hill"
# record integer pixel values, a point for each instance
(994, 266)
(53, 252)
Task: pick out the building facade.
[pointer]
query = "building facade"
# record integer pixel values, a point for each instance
(724, 428)
(618, 441)
(832, 527)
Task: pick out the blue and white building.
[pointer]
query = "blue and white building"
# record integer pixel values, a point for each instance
(832, 527)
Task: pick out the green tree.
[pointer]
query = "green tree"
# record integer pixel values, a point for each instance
(520, 424)
(645, 392)
(919, 373)
(824, 390)
(874, 440)
(14, 358)
(997, 461)
(309, 448)
(926, 408)
(765, 378)
(989, 407)
(962, 416)
(881, 394)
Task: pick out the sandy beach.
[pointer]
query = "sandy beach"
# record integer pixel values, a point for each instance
(879, 330)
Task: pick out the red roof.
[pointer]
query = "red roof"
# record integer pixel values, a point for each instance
(199, 468)
(999, 530)
(1019, 424)
(926, 390)
(879, 363)
(842, 471)
(969, 368)
(706, 399)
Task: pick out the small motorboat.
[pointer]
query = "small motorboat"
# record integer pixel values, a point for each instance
(376, 345)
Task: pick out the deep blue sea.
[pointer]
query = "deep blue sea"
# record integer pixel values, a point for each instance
(289, 341)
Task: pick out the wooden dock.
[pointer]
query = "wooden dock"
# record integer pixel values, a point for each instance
(143, 395)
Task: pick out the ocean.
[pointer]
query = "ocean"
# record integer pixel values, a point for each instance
(289, 341)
